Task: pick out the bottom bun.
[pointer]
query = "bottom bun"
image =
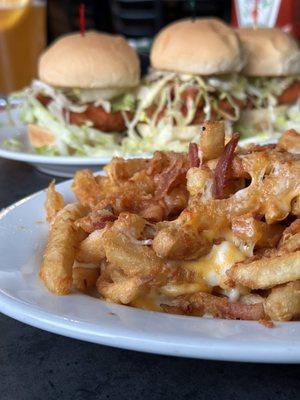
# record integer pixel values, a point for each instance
(39, 136)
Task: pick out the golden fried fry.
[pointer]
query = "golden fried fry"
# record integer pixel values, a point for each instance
(85, 276)
(130, 224)
(290, 240)
(54, 202)
(200, 182)
(180, 244)
(96, 219)
(130, 257)
(296, 206)
(120, 170)
(267, 271)
(91, 249)
(90, 189)
(123, 291)
(290, 141)
(283, 304)
(219, 307)
(212, 140)
(56, 269)
(256, 232)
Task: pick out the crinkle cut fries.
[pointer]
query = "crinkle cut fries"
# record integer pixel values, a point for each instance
(214, 232)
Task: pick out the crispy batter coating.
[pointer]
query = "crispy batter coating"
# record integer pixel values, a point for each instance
(91, 250)
(90, 189)
(290, 141)
(250, 230)
(85, 278)
(212, 140)
(267, 271)
(54, 202)
(219, 307)
(183, 244)
(154, 189)
(56, 269)
(283, 304)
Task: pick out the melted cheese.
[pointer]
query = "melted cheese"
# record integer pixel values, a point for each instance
(173, 290)
(209, 271)
(146, 302)
(212, 267)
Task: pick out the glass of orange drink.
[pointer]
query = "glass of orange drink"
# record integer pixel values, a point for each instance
(22, 38)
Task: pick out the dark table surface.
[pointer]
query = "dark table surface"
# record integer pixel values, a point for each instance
(38, 365)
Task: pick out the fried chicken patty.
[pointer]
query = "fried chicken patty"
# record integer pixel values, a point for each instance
(101, 119)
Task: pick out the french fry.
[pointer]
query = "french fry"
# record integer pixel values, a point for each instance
(54, 202)
(250, 230)
(267, 271)
(290, 240)
(180, 244)
(131, 258)
(212, 140)
(296, 206)
(56, 269)
(120, 170)
(283, 304)
(290, 141)
(124, 291)
(85, 276)
(199, 181)
(91, 249)
(87, 188)
(200, 303)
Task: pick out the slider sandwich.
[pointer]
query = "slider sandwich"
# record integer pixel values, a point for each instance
(84, 97)
(272, 75)
(193, 78)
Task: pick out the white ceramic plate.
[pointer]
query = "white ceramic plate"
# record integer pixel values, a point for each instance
(23, 235)
(11, 127)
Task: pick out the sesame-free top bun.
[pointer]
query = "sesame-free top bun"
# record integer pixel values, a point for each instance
(90, 61)
(270, 52)
(202, 46)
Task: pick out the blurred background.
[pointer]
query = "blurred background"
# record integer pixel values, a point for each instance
(27, 26)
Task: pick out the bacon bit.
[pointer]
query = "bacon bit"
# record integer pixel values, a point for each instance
(222, 171)
(259, 217)
(96, 219)
(172, 176)
(193, 155)
(102, 221)
(266, 323)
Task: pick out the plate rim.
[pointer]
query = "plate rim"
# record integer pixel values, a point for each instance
(64, 160)
(130, 340)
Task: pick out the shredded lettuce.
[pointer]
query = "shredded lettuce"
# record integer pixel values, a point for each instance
(262, 90)
(72, 139)
(69, 139)
(124, 103)
(170, 122)
(162, 118)
(12, 144)
(263, 93)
